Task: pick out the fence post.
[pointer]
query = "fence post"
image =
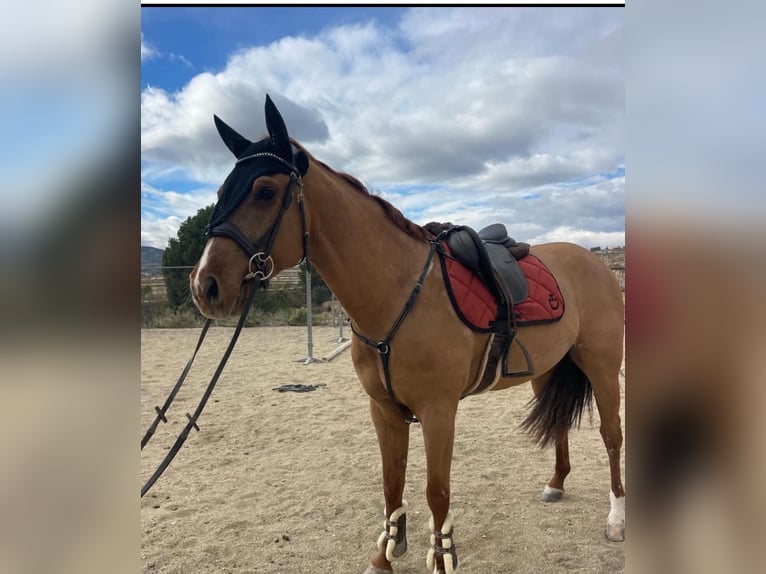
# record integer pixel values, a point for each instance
(338, 310)
(309, 323)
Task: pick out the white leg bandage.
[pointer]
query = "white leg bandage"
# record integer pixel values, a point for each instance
(388, 538)
(447, 548)
(617, 510)
(615, 522)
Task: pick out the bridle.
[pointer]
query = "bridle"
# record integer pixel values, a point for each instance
(261, 257)
(260, 268)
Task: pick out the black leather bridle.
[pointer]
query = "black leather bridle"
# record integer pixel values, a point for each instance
(259, 252)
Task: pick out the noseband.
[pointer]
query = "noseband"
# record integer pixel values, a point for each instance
(261, 265)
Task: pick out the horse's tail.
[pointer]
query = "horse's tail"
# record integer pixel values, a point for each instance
(560, 403)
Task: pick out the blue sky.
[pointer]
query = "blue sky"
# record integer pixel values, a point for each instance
(194, 39)
(469, 115)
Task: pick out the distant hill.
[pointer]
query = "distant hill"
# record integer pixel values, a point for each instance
(151, 260)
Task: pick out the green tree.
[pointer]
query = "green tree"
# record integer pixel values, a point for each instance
(184, 250)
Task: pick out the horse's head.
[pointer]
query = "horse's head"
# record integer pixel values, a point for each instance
(255, 230)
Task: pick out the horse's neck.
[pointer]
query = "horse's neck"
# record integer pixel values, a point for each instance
(367, 261)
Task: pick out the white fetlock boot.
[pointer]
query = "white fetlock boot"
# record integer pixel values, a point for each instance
(447, 550)
(394, 535)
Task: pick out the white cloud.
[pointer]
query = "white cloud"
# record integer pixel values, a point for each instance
(172, 56)
(472, 103)
(155, 231)
(150, 52)
(180, 205)
(584, 237)
(147, 50)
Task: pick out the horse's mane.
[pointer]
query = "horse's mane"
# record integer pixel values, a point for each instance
(397, 218)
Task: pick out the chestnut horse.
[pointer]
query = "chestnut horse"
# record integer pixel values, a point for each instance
(279, 204)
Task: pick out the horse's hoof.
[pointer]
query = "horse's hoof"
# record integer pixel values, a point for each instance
(615, 532)
(372, 570)
(551, 494)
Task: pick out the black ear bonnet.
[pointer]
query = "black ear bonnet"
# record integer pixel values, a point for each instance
(279, 156)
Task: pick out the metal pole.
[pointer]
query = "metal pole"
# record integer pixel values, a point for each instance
(309, 314)
(337, 312)
(309, 317)
(341, 316)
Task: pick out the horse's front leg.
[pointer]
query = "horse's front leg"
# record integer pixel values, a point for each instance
(438, 424)
(393, 438)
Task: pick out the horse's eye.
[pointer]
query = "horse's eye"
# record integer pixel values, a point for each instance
(265, 193)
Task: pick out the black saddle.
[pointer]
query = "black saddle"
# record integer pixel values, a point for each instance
(494, 256)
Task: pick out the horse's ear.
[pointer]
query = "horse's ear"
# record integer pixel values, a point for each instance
(277, 130)
(235, 142)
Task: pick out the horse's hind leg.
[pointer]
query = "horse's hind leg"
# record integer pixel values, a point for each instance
(393, 438)
(603, 373)
(611, 432)
(554, 490)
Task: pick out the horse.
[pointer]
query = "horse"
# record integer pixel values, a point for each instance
(413, 355)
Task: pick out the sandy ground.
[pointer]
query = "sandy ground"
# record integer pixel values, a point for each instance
(290, 482)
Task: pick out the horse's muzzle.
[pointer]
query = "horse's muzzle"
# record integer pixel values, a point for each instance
(208, 295)
(211, 290)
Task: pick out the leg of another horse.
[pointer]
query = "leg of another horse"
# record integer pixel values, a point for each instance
(438, 436)
(554, 490)
(393, 438)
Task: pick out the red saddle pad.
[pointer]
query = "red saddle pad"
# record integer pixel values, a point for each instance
(477, 308)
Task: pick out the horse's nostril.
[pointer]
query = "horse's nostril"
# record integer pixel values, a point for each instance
(211, 289)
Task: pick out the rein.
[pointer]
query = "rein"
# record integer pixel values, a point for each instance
(384, 347)
(264, 268)
(161, 411)
(203, 401)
